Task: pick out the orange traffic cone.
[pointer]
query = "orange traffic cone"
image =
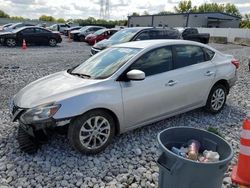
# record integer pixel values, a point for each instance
(240, 173)
(24, 46)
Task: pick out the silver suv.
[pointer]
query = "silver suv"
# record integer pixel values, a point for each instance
(124, 87)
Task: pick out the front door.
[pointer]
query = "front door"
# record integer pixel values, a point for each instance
(144, 100)
(28, 35)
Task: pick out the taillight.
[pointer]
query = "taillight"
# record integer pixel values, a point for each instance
(236, 63)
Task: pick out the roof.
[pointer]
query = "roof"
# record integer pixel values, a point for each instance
(151, 43)
(171, 14)
(216, 18)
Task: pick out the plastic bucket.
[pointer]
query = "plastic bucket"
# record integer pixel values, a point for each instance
(179, 172)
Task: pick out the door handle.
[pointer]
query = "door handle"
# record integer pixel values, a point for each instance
(209, 73)
(171, 83)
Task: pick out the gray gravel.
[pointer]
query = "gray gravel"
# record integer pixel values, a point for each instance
(130, 161)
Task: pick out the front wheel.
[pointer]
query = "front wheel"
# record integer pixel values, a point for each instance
(11, 42)
(52, 42)
(92, 132)
(216, 99)
(82, 38)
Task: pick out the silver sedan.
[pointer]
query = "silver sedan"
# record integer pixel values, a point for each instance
(124, 87)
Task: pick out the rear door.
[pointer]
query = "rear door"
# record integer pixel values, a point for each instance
(193, 75)
(41, 36)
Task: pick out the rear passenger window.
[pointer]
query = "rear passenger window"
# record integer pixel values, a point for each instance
(143, 36)
(154, 62)
(156, 34)
(188, 55)
(209, 54)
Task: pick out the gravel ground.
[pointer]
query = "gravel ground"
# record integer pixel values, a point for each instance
(130, 161)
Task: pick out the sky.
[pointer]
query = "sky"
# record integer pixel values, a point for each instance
(82, 9)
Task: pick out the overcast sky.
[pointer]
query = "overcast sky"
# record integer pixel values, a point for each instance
(119, 9)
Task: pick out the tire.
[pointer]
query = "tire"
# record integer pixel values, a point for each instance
(214, 105)
(84, 132)
(11, 42)
(82, 38)
(52, 42)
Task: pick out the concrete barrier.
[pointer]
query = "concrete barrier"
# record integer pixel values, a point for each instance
(242, 41)
(217, 39)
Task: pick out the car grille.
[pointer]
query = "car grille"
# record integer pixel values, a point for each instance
(14, 109)
(93, 52)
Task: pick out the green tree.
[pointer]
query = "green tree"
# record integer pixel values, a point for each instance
(215, 7)
(184, 6)
(145, 13)
(17, 18)
(245, 22)
(3, 14)
(47, 18)
(232, 9)
(164, 13)
(135, 14)
(60, 20)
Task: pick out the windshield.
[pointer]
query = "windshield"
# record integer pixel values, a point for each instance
(100, 31)
(14, 25)
(84, 28)
(105, 63)
(18, 29)
(124, 35)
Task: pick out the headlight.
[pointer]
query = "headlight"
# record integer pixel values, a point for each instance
(40, 113)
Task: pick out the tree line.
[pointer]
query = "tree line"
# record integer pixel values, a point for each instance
(184, 6)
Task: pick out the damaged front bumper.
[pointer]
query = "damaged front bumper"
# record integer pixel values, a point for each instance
(16, 113)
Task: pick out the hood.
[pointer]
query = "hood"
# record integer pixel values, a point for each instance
(52, 88)
(3, 32)
(105, 44)
(75, 31)
(90, 36)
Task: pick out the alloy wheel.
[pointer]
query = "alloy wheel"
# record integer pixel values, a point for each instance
(11, 42)
(52, 42)
(95, 132)
(218, 99)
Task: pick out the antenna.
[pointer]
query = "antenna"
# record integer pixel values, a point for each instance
(104, 4)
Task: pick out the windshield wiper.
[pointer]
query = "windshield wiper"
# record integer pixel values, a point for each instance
(81, 75)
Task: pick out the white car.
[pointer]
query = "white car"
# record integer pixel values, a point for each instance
(124, 87)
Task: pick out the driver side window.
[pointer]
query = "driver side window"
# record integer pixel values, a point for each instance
(155, 62)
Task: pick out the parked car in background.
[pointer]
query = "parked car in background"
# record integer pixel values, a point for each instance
(32, 35)
(16, 26)
(59, 27)
(79, 35)
(135, 34)
(68, 30)
(99, 35)
(194, 35)
(122, 88)
(3, 27)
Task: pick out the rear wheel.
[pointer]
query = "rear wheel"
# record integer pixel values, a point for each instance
(92, 132)
(11, 42)
(52, 42)
(216, 99)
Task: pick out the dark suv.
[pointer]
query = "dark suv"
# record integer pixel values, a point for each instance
(135, 34)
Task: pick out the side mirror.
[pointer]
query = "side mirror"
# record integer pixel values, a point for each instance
(136, 75)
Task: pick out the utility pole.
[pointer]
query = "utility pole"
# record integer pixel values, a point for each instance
(101, 9)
